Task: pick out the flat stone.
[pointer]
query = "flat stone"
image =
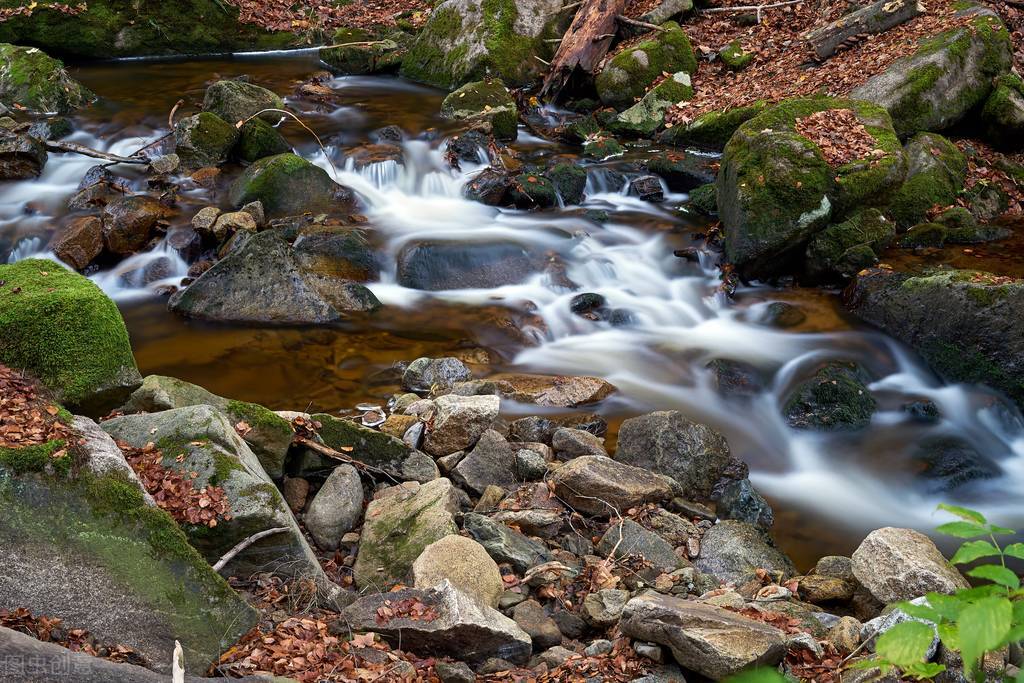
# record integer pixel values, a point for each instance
(733, 552)
(458, 422)
(902, 564)
(492, 462)
(597, 485)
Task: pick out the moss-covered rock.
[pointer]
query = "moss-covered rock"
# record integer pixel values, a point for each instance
(1003, 113)
(375, 448)
(704, 199)
(923, 235)
(683, 171)
(269, 435)
(367, 56)
(965, 324)
(946, 77)
(484, 102)
(602, 146)
(63, 329)
(467, 40)
(734, 57)
(647, 116)
(533, 190)
(31, 79)
(936, 171)
(835, 398)
(204, 139)
(629, 73)
(94, 551)
(235, 101)
(258, 139)
(569, 180)
(712, 130)
(132, 28)
(846, 248)
(288, 185)
(776, 190)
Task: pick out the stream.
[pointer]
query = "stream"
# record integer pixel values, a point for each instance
(827, 489)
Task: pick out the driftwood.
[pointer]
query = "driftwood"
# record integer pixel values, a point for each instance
(245, 543)
(875, 18)
(584, 45)
(750, 8)
(61, 146)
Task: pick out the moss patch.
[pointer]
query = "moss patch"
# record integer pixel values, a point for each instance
(31, 79)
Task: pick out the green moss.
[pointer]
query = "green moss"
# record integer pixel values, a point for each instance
(64, 330)
(923, 235)
(835, 398)
(936, 175)
(259, 417)
(704, 199)
(533, 190)
(488, 101)
(846, 248)
(602, 147)
(733, 56)
(712, 130)
(376, 56)
(35, 458)
(287, 185)
(31, 79)
(629, 73)
(259, 139)
(569, 180)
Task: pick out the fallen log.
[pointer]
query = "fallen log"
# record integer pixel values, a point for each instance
(584, 45)
(875, 18)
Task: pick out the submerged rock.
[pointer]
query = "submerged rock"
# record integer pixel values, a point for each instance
(64, 330)
(484, 102)
(902, 564)
(433, 266)
(836, 397)
(31, 79)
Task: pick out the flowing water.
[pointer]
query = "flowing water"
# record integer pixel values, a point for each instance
(827, 489)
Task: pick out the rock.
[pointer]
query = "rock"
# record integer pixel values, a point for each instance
(295, 491)
(288, 185)
(263, 282)
(336, 508)
(435, 265)
(961, 322)
(819, 590)
(458, 422)
(710, 640)
(353, 54)
(602, 146)
(704, 199)
(374, 448)
(398, 527)
(235, 101)
(258, 139)
(506, 545)
(426, 374)
(207, 444)
(80, 242)
(33, 81)
(569, 180)
(21, 156)
(948, 75)
(645, 117)
(465, 41)
(130, 223)
(531, 190)
(335, 252)
(458, 625)
(835, 398)
(600, 486)
(204, 140)
(836, 566)
(531, 617)
(630, 538)
(627, 75)
(268, 435)
(166, 164)
(70, 538)
(684, 172)
(487, 102)
(776, 190)
(734, 57)
(555, 656)
(713, 129)
(555, 391)
(531, 465)
(205, 219)
(603, 608)
(491, 462)
(732, 551)
(457, 672)
(648, 188)
(464, 563)
(846, 248)
(901, 564)
(667, 9)
(880, 625)
(949, 462)
(739, 500)
(845, 635)
(1003, 112)
(64, 330)
(668, 443)
(936, 171)
(229, 223)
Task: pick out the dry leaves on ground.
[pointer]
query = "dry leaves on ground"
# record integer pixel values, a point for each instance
(618, 666)
(173, 489)
(986, 165)
(27, 417)
(839, 135)
(53, 630)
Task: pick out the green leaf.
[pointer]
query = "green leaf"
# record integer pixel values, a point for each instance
(983, 626)
(973, 550)
(925, 671)
(964, 513)
(920, 611)
(763, 675)
(1018, 612)
(1016, 635)
(948, 606)
(962, 529)
(1014, 550)
(987, 590)
(1000, 530)
(905, 644)
(949, 634)
(996, 574)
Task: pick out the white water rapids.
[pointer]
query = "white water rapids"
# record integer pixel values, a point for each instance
(679, 323)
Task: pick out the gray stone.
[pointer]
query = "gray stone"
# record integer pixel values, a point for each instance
(21, 156)
(596, 485)
(604, 607)
(236, 101)
(336, 508)
(571, 443)
(555, 656)
(490, 463)
(740, 500)
(203, 140)
(598, 647)
(463, 562)
(530, 465)
(531, 617)
(458, 422)
(901, 564)
(630, 538)
(504, 544)
(454, 672)
(879, 625)
(441, 265)
(733, 552)
(667, 9)
(426, 374)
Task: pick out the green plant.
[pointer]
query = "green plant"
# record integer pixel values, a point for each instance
(972, 621)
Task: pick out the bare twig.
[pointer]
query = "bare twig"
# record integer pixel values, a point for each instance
(75, 148)
(174, 110)
(751, 8)
(622, 19)
(300, 122)
(362, 43)
(329, 452)
(242, 545)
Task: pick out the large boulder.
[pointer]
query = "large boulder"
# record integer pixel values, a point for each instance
(357, 51)
(288, 185)
(400, 523)
(487, 102)
(91, 548)
(776, 189)
(733, 551)
(903, 564)
(377, 449)
(710, 640)
(936, 171)
(436, 265)
(21, 156)
(204, 139)
(235, 101)
(33, 81)
(946, 77)
(201, 440)
(465, 41)
(1003, 112)
(627, 75)
(258, 139)
(267, 434)
(669, 443)
(836, 397)
(445, 621)
(713, 129)
(964, 323)
(264, 281)
(64, 330)
(597, 485)
(465, 564)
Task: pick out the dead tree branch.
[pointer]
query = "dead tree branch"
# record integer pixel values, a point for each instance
(584, 45)
(75, 148)
(245, 543)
